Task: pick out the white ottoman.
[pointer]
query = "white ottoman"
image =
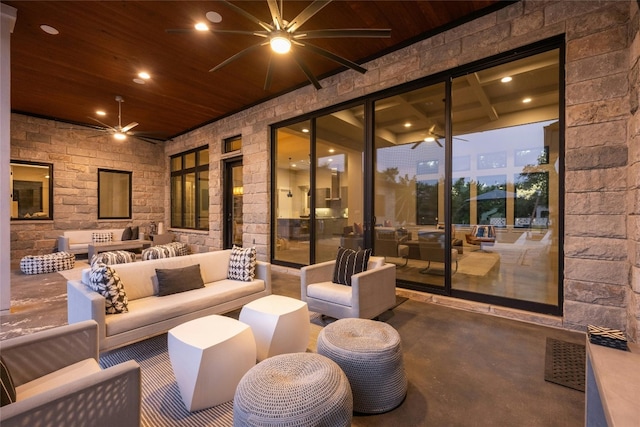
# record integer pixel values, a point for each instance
(209, 356)
(280, 325)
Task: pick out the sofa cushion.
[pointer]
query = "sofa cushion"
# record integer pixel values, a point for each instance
(101, 236)
(105, 281)
(176, 280)
(152, 310)
(242, 264)
(348, 263)
(126, 234)
(8, 391)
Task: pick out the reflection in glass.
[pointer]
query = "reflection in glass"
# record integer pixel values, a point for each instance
(114, 194)
(31, 191)
(506, 208)
(409, 184)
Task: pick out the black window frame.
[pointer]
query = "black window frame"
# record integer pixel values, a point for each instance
(50, 192)
(182, 173)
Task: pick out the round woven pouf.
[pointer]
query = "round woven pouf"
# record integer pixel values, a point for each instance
(370, 354)
(295, 389)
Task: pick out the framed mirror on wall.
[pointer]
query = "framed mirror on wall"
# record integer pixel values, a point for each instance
(114, 194)
(31, 190)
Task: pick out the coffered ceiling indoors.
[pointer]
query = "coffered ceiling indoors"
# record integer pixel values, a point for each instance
(103, 45)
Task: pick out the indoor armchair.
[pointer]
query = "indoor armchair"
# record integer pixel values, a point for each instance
(372, 292)
(58, 381)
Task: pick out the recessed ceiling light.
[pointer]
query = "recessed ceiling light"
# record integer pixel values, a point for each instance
(526, 100)
(305, 130)
(506, 79)
(101, 113)
(49, 29)
(139, 81)
(144, 75)
(331, 150)
(214, 17)
(201, 26)
(407, 125)
(293, 165)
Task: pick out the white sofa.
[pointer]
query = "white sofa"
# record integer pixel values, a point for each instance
(77, 241)
(150, 314)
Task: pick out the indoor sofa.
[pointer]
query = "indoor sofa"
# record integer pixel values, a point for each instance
(150, 314)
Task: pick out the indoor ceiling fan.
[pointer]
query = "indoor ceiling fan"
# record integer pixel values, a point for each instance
(284, 37)
(432, 136)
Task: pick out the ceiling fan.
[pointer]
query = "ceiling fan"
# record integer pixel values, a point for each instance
(284, 37)
(433, 137)
(118, 132)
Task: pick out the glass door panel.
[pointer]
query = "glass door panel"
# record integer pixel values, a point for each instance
(409, 184)
(292, 194)
(505, 179)
(234, 193)
(339, 181)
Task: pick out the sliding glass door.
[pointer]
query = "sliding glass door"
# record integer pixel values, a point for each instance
(409, 185)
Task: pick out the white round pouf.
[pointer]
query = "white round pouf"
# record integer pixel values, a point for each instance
(295, 389)
(280, 324)
(209, 356)
(370, 354)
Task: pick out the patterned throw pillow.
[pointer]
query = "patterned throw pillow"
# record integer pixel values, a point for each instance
(8, 390)
(101, 237)
(105, 281)
(348, 263)
(113, 257)
(242, 264)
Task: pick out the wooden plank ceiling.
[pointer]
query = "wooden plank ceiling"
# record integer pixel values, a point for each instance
(102, 45)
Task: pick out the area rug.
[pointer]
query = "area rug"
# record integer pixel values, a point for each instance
(161, 401)
(565, 364)
(478, 263)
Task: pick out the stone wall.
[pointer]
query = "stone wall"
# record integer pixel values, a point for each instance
(76, 160)
(601, 137)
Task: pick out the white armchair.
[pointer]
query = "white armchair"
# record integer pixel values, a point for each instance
(58, 381)
(371, 293)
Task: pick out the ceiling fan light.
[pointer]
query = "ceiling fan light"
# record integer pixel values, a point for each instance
(120, 136)
(429, 139)
(201, 26)
(280, 43)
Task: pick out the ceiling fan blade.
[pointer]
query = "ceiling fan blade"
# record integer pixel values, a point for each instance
(333, 57)
(416, 144)
(193, 30)
(306, 71)
(438, 142)
(275, 13)
(237, 56)
(103, 124)
(147, 139)
(249, 16)
(129, 126)
(347, 32)
(306, 14)
(267, 80)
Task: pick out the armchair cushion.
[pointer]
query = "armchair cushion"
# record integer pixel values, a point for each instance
(57, 378)
(348, 263)
(8, 390)
(332, 292)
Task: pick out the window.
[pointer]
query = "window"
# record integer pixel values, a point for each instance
(232, 144)
(114, 194)
(31, 190)
(190, 189)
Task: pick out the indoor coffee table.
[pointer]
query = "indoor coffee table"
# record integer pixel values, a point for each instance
(209, 356)
(280, 325)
